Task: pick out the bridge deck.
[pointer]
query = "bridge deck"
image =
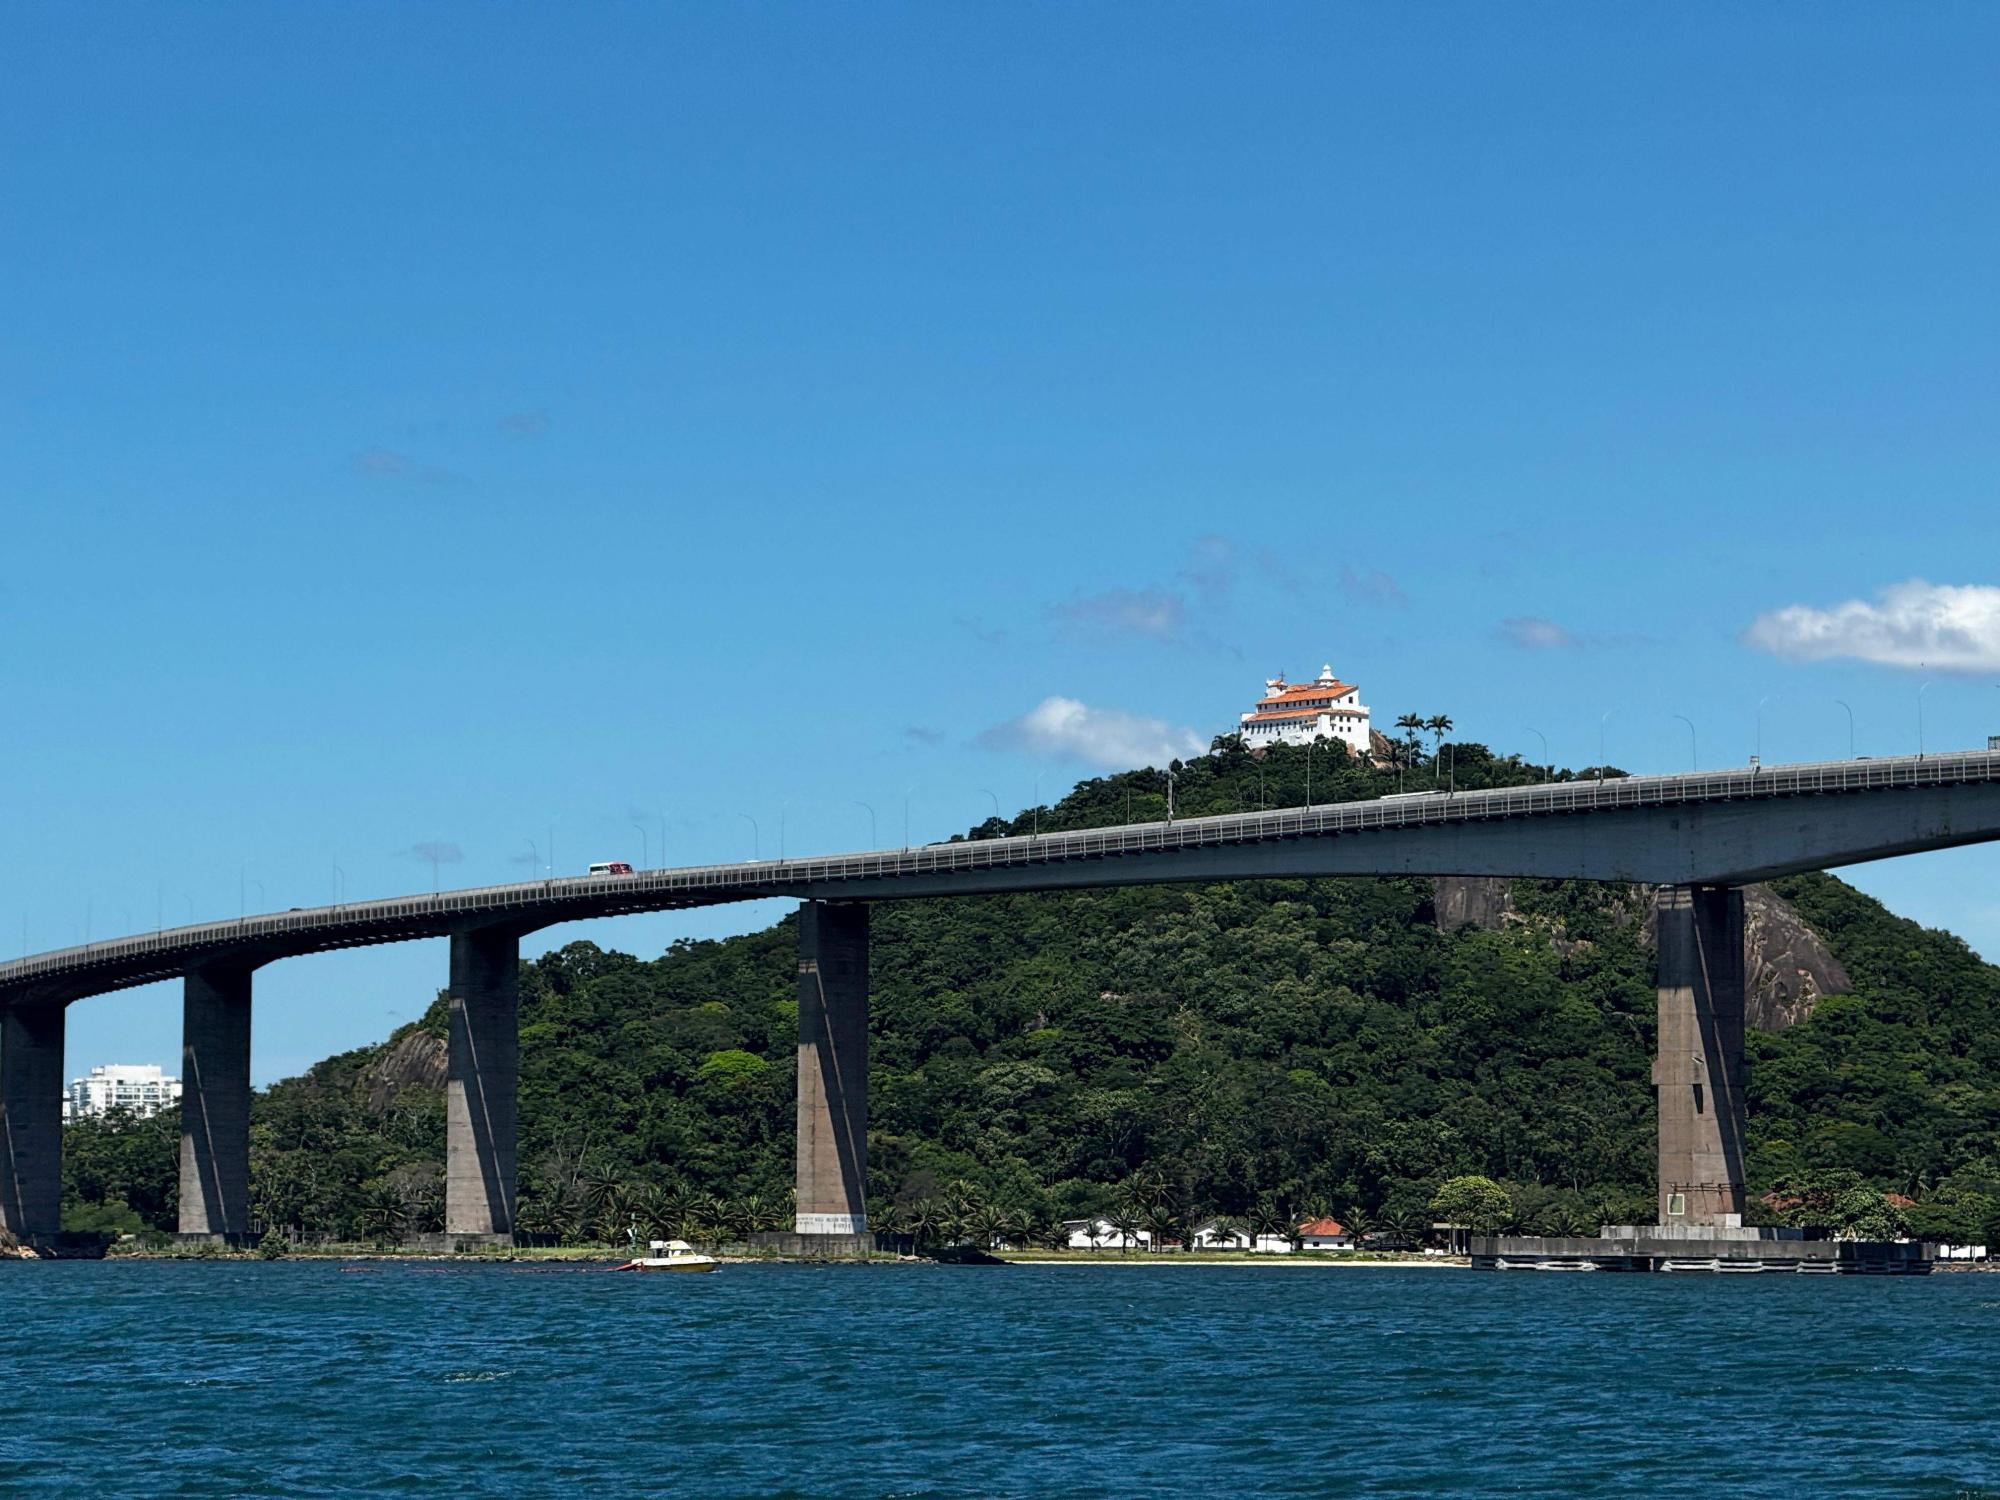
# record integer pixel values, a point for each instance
(1144, 851)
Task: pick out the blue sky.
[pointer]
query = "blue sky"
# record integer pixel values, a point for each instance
(445, 424)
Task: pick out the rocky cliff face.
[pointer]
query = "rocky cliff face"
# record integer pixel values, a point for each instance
(1786, 965)
(416, 1059)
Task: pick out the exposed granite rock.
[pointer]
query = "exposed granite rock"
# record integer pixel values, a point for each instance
(1482, 900)
(1786, 965)
(416, 1059)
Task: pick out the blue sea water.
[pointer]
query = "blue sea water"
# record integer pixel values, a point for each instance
(323, 1379)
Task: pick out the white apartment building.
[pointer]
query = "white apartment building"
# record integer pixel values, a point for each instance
(1297, 713)
(141, 1088)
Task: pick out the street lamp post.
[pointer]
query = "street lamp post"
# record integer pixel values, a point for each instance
(1694, 749)
(871, 825)
(1603, 720)
(1920, 718)
(1850, 727)
(756, 836)
(1545, 744)
(1760, 725)
(645, 846)
(534, 855)
(906, 817)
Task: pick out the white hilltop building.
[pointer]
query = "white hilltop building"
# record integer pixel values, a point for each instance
(144, 1089)
(1297, 713)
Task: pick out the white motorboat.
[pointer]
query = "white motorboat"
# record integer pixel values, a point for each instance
(671, 1255)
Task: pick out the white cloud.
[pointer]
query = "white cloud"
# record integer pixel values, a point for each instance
(1534, 633)
(1949, 627)
(1157, 614)
(1102, 736)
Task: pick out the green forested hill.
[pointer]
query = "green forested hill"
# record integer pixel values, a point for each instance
(1253, 1049)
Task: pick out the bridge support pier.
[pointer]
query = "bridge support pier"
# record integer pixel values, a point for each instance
(481, 1082)
(215, 1106)
(1699, 1068)
(31, 1089)
(833, 1070)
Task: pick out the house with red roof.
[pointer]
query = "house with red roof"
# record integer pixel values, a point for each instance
(1324, 1234)
(1297, 713)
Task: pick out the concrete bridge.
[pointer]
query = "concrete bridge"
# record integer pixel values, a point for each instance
(1699, 837)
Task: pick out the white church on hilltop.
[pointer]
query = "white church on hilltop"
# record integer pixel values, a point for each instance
(1297, 713)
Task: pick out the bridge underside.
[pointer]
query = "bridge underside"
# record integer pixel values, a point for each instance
(1718, 844)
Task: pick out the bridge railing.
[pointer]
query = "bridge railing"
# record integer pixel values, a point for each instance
(177, 949)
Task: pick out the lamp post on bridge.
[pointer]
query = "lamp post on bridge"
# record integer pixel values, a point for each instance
(1758, 757)
(1694, 747)
(645, 848)
(996, 803)
(872, 843)
(1603, 721)
(1850, 727)
(1920, 717)
(756, 837)
(1545, 745)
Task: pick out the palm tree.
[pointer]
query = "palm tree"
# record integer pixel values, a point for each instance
(1127, 1224)
(703, 1217)
(1439, 725)
(1411, 725)
(1358, 1226)
(1407, 1226)
(1267, 1220)
(921, 1220)
(1222, 1227)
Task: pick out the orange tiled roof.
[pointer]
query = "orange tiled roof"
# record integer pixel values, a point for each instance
(1299, 713)
(1321, 1229)
(1296, 690)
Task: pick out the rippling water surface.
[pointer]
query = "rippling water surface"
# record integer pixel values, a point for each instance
(306, 1378)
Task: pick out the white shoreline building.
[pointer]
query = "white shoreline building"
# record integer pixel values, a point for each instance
(142, 1088)
(1297, 713)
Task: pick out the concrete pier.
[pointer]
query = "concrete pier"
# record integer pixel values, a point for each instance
(31, 1089)
(1699, 1067)
(833, 1069)
(481, 1083)
(215, 1105)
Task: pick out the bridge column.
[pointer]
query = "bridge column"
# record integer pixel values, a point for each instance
(215, 1105)
(481, 1082)
(1699, 1069)
(833, 1069)
(31, 1090)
